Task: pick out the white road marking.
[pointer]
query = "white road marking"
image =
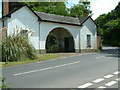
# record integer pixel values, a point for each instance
(108, 76)
(110, 83)
(118, 79)
(85, 85)
(46, 68)
(116, 72)
(64, 57)
(98, 80)
(100, 57)
(101, 87)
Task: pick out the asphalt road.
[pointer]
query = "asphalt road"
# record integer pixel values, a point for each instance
(93, 70)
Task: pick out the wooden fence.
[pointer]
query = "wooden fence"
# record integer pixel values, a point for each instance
(3, 33)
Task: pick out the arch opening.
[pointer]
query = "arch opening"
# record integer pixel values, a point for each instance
(59, 40)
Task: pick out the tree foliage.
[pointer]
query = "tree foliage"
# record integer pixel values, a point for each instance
(77, 10)
(51, 43)
(109, 26)
(58, 8)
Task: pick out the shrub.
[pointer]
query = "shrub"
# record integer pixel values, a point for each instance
(16, 47)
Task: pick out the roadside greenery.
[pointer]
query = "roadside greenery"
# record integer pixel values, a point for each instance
(16, 47)
(109, 27)
(41, 57)
(3, 84)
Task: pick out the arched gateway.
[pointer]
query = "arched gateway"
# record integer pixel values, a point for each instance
(60, 40)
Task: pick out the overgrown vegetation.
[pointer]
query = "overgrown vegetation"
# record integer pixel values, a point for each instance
(3, 84)
(51, 43)
(109, 27)
(16, 47)
(41, 57)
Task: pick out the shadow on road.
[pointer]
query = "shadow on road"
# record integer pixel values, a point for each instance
(111, 51)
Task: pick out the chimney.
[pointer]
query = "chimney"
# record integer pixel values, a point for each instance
(85, 12)
(5, 7)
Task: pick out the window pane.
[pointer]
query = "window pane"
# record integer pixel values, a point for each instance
(24, 32)
(88, 40)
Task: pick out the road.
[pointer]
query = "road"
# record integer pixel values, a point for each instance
(91, 70)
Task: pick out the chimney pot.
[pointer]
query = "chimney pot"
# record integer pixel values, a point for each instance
(85, 12)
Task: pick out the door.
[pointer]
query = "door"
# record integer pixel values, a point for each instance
(66, 42)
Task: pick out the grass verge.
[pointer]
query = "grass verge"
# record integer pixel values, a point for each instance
(41, 57)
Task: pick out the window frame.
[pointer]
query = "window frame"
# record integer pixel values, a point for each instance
(88, 37)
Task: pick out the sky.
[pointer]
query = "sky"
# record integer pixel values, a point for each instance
(0, 9)
(98, 7)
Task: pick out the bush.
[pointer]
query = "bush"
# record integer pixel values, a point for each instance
(16, 47)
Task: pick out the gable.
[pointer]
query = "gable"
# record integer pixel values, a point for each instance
(23, 13)
(89, 23)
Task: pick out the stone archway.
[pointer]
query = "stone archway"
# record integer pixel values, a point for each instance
(64, 41)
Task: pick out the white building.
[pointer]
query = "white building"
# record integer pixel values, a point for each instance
(72, 34)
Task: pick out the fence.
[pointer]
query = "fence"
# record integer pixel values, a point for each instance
(3, 33)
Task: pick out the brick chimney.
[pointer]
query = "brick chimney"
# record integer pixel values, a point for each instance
(86, 13)
(5, 7)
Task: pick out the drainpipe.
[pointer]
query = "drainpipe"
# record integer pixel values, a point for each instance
(39, 37)
(79, 41)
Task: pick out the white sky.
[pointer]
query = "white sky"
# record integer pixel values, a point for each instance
(0, 9)
(98, 7)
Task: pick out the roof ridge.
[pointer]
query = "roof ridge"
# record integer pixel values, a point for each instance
(56, 15)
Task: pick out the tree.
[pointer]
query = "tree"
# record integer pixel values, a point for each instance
(109, 26)
(58, 8)
(78, 9)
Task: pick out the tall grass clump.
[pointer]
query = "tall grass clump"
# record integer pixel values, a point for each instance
(17, 47)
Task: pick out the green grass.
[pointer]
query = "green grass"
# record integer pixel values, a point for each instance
(41, 57)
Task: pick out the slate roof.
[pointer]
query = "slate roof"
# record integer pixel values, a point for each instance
(58, 18)
(53, 18)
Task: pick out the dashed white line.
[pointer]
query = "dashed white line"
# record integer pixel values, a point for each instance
(98, 80)
(117, 72)
(118, 79)
(110, 83)
(108, 76)
(101, 87)
(100, 57)
(46, 68)
(85, 85)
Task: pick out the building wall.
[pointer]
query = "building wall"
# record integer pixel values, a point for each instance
(25, 19)
(89, 28)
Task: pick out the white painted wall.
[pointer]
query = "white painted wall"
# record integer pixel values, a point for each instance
(27, 20)
(88, 28)
(46, 27)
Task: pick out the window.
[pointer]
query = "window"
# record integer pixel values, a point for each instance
(88, 40)
(24, 32)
